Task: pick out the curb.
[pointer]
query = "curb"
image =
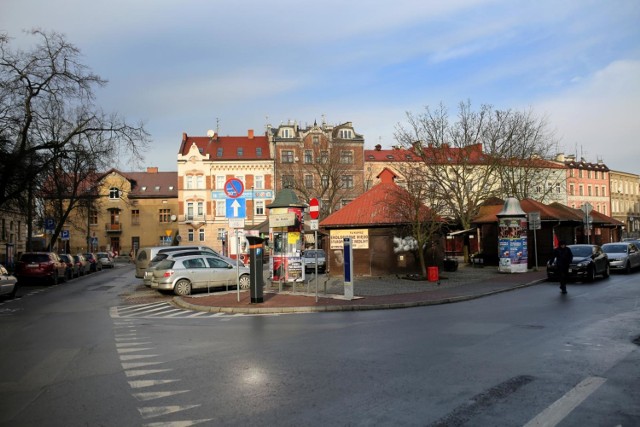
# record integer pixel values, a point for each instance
(313, 309)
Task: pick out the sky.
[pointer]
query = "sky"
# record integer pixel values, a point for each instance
(190, 66)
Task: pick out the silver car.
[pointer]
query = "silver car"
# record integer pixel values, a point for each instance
(8, 283)
(105, 259)
(183, 275)
(622, 256)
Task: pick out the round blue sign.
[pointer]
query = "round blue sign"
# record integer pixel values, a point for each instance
(233, 188)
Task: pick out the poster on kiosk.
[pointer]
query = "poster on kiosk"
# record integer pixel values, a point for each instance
(286, 262)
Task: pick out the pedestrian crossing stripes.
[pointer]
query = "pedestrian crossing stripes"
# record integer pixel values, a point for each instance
(164, 310)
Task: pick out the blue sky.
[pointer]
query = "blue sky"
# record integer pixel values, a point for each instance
(189, 66)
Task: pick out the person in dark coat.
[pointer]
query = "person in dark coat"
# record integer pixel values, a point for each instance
(563, 257)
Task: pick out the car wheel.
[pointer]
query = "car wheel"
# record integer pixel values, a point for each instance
(54, 279)
(13, 293)
(591, 274)
(245, 281)
(607, 271)
(627, 268)
(183, 287)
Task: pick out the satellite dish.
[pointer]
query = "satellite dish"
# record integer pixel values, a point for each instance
(211, 133)
(174, 218)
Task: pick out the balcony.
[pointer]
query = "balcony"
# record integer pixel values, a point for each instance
(195, 218)
(113, 228)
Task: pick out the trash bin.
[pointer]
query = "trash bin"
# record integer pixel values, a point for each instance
(256, 275)
(432, 274)
(450, 264)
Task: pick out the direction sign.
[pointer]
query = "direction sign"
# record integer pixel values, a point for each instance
(233, 188)
(314, 208)
(236, 208)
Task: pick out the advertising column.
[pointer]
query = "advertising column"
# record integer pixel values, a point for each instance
(512, 238)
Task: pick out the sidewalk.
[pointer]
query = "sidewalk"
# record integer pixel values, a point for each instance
(370, 293)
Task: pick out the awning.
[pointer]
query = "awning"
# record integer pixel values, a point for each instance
(467, 231)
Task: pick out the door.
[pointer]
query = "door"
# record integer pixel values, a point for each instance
(221, 273)
(197, 272)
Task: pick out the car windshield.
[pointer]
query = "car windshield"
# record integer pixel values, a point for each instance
(614, 249)
(165, 264)
(581, 251)
(34, 258)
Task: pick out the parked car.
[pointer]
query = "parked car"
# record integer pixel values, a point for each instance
(8, 283)
(40, 266)
(145, 255)
(106, 260)
(72, 270)
(622, 256)
(310, 256)
(182, 275)
(82, 263)
(588, 262)
(148, 273)
(94, 262)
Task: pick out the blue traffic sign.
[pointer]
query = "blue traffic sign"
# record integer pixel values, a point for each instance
(233, 188)
(236, 208)
(49, 224)
(64, 235)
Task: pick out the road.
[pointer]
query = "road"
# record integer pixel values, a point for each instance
(81, 354)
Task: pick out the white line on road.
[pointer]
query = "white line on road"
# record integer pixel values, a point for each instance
(555, 413)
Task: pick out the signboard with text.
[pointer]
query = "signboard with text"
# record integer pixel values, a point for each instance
(359, 238)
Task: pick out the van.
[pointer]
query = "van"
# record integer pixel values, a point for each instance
(145, 255)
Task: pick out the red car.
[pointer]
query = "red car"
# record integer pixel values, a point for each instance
(40, 266)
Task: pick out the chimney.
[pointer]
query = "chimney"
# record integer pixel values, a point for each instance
(152, 169)
(250, 133)
(378, 147)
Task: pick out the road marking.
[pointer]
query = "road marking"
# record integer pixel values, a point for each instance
(139, 365)
(178, 423)
(131, 350)
(140, 372)
(156, 411)
(559, 409)
(157, 395)
(149, 383)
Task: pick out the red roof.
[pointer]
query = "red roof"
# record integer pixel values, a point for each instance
(442, 154)
(374, 207)
(247, 147)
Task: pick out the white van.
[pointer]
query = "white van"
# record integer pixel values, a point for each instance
(145, 255)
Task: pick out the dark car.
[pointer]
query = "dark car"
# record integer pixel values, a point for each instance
(94, 263)
(588, 262)
(310, 256)
(72, 270)
(40, 266)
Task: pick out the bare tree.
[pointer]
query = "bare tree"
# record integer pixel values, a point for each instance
(47, 111)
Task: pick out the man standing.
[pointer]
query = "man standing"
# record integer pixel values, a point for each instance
(563, 256)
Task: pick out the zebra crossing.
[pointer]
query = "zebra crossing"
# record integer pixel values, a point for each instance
(165, 310)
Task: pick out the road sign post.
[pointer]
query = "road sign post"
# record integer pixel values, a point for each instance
(314, 213)
(535, 224)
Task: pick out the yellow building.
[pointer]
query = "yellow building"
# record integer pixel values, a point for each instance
(130, 210)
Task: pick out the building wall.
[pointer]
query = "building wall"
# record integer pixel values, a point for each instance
(588, 182)
(625, 201)
(13, 236)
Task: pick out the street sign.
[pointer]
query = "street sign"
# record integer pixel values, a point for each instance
(49, 224)
(314, 208)
(534, 221)
(236, 222)
(233, 188)
(313, 225)
(64, 235)
(236, 208)
(587, 208)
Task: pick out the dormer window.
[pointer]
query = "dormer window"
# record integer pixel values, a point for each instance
(157, 188)
(219, 152)
(258, 151)
(144, 188)
(240, 151)
(286, 133)
(345, 134)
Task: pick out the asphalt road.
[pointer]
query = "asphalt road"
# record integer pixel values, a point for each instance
(88, 353)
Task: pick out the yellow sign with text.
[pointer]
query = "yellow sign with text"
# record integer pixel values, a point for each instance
(359, 238)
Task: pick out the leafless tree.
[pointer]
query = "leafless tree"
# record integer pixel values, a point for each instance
(47, 112)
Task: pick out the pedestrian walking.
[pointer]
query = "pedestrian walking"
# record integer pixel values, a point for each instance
(563, 257)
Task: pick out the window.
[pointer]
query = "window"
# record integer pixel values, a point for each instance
(114, 193)
(201, 234)
(219, 152)
(308, 181)
(287, 156)
(165, 215)
(135, 217)
(316, 139)
(589, 174)
(189, 182)
(346, 157)
(589, 190)
(344, 202)
(258, 182)
(287, 181)
(259, 207)
(549, 187)
(93, 216)
(325, 181)
(597, 190)
(558, 188)
(286, 133)
(190, 235)
(189, 210)
(308, 156)
(603, 191)
(345, 134)
(200, 209)
(221, 233)
(538, 188)
(221, 208)
(240, 151)
(220, 179)
(581, 190)
(258, 151)
(347, 181)
(571, 189)
(580, 173)
(324, 157)
(200, 182)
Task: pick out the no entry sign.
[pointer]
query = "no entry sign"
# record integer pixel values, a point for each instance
(314, 208)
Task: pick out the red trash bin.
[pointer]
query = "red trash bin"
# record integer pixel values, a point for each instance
(432, 274)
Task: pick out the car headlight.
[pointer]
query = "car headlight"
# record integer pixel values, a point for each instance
(583, 264)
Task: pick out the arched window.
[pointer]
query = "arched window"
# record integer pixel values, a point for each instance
(114, 193)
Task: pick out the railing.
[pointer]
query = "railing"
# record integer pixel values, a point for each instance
(113, 228)
(199, 218)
